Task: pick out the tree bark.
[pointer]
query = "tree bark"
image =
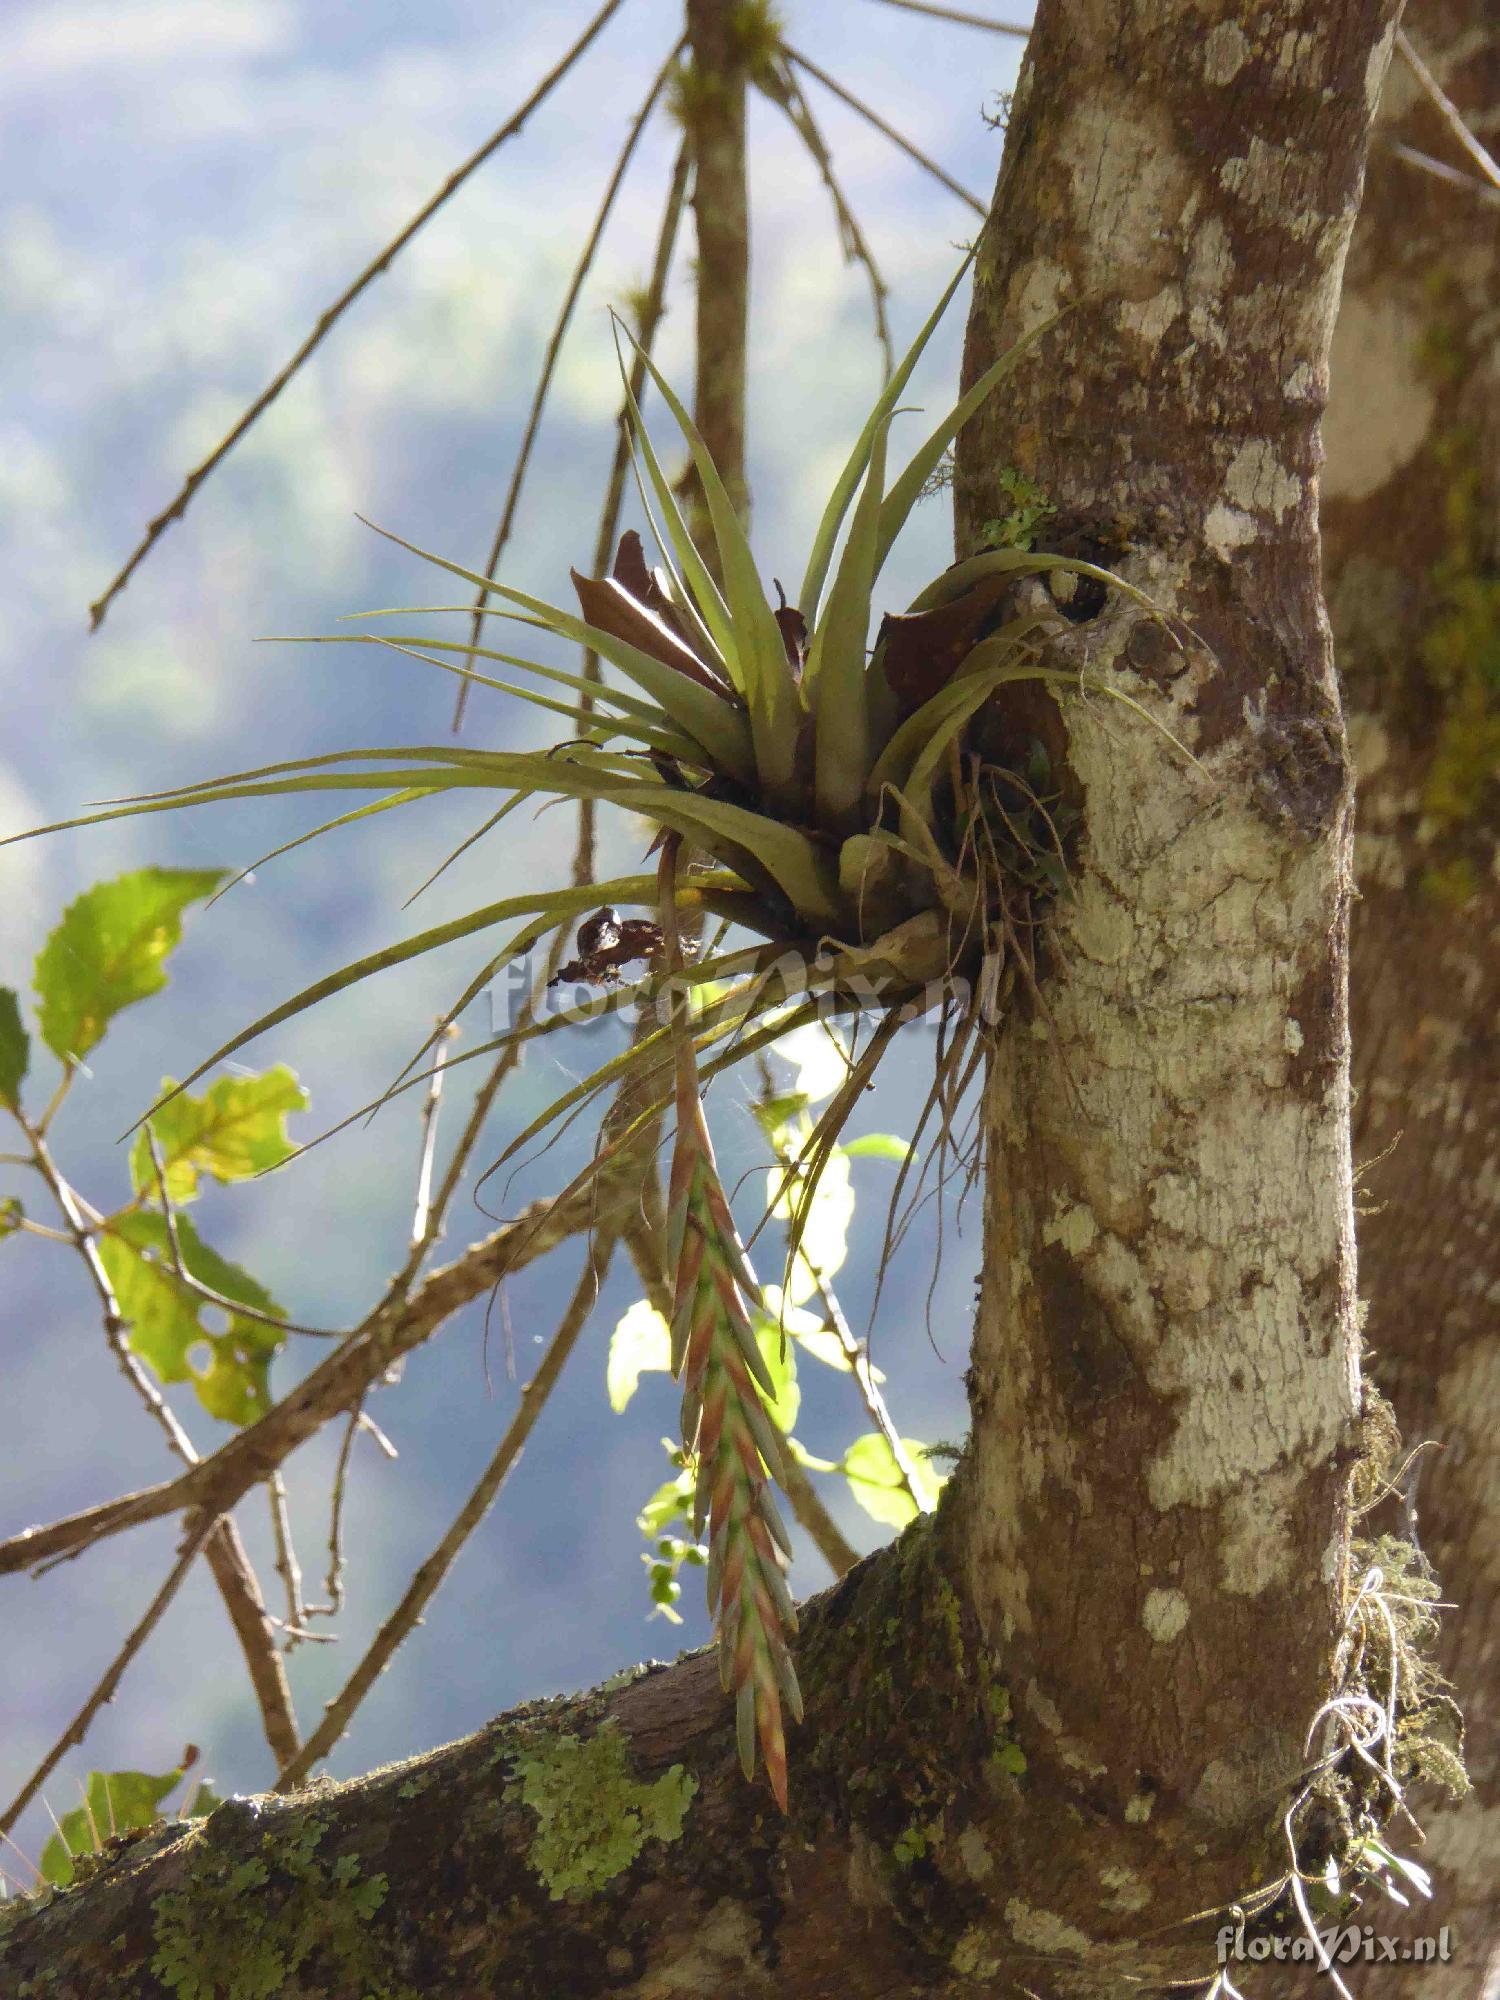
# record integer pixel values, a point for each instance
(1054, 1729)
(1412, 561)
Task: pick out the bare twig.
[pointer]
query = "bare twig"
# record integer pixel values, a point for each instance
(873, 117)
(287, 1566)
(430, 1107)
(372, 270)
(425, 1583)
(335, 1385)
(333, 1582)
(780, 85)
(1452, 117)
(549, 360)
(1440, 170)
(856, 1351)
(235, 1307)
(227, 1558)
(961, 19)
(649, 317)
(199, 1529)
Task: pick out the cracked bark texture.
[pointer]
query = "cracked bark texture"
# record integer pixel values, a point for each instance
(1412, 564)
(1049, 1726)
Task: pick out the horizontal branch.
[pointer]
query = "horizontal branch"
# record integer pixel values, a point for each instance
(217, 1483)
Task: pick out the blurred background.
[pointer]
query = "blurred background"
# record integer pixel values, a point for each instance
(187, 185)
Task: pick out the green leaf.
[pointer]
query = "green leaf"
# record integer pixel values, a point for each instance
(707, 718)
(641, 1340)
(108, 950)
(780, 1357)
(235, 1130)
(836, 670)
(770, 689)
(875, 1479)
(118, 1802)
(12, 1215)
(167, 1327)
(876, 1146)
(843, 491)
(15, 1049)
(907, 488)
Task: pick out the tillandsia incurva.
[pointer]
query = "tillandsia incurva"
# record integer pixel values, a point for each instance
(849, 824)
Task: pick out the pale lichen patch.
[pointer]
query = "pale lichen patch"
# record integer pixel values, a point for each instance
(974, 1853)
(1165, 1615)
(1044, 1930)
(1226, 529)
(1226, 50)
(1073, 1226)
(1256, 480)
(1124, 1889)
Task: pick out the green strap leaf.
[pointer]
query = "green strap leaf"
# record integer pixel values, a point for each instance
(235, 1130)
(15, 1049)
(108, 952)
(710, 721)
(770, 688)
(556, 904)
(859, 458)
(229, 1371)
(906, 489)
(836, 671)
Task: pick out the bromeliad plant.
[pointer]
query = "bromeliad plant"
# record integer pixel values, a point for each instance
(827, 799)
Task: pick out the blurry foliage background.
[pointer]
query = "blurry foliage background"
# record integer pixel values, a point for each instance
(187, 183)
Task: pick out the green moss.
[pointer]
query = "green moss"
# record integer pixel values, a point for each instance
(1029, 512)
(592, 1817)
(244, 1924)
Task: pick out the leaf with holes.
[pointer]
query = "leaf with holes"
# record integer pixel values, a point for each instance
(167, 1319)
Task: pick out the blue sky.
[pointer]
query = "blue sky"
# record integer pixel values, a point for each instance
(187, 183)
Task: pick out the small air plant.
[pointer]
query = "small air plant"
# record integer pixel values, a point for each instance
(820, 796)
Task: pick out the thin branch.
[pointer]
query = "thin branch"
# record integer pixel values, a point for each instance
(780, 85)
(1440, 170)
(335, 1385)
(199, 1531)
(873, 117)
(554, 347)
(856, 1351)
(652, 307)
(333, 1581)
(226, 1555)
(425, 1583)
(372, 270)
(236, 1308)
(963, 20)
(430, 1107)
(1452, 117)
(287, 1566)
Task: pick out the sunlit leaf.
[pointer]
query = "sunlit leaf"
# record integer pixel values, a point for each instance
(15, 1049)
(875, 1479)
(235, 1130)
(168, 1326)
(108, 950)
(118, 1802)
(780, 1357)
(876, 1146)
(641, 1340)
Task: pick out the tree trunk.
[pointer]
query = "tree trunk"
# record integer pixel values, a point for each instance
(1412, 560)
(1053, 1730)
